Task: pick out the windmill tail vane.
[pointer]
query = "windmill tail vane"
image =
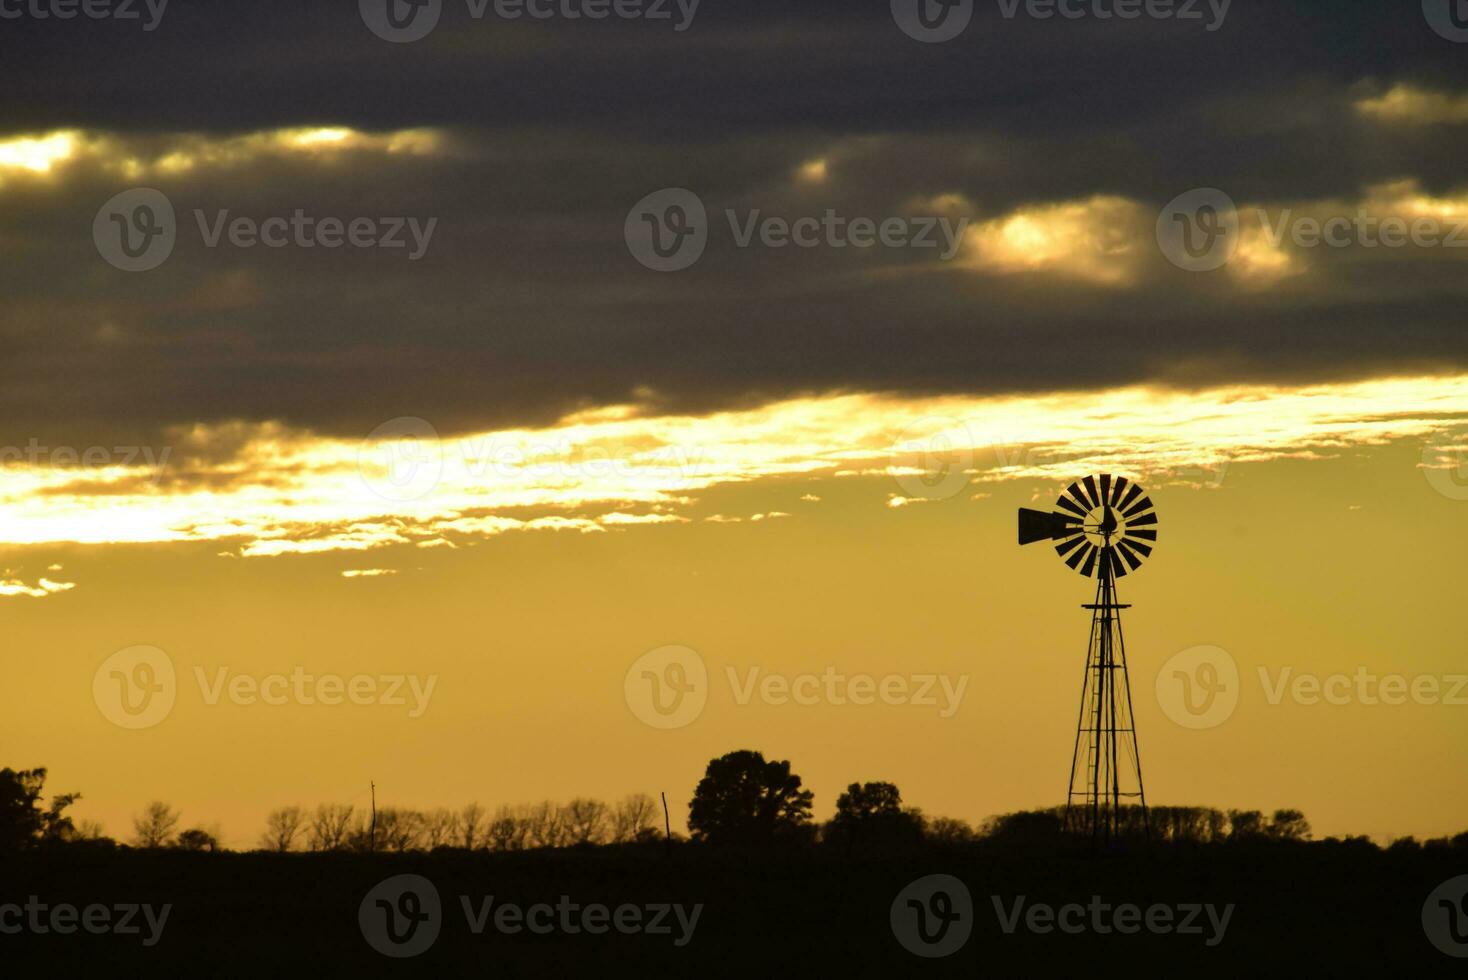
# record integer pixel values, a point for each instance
(1102, 527)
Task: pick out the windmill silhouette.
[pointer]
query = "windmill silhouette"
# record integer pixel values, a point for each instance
(1103, 527)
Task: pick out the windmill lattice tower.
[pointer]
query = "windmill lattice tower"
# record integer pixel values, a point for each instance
(1103, 527)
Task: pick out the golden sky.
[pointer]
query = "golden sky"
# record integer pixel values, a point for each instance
(516, 576)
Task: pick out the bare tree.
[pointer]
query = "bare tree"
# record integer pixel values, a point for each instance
(155, 825)
(585, 821)
(546, 824)
(89, 830)
(634, 816)
(281, 828)
(440, 828)
(399, 830)
(330, 827)
(509, 829)
(471, 827)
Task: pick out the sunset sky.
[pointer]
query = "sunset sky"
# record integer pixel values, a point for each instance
(508, 460)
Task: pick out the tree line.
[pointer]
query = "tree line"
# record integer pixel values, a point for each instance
(742, 799)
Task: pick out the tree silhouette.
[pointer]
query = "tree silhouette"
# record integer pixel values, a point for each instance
(871, 814)
(154, 826)
(744, 799)
(198, 839)
(22, 820)
(281, 828)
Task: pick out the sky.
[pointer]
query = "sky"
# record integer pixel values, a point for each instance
(526, 365)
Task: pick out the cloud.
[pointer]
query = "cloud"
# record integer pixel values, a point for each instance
(1408, 105)
(274, 491)
(13, 587)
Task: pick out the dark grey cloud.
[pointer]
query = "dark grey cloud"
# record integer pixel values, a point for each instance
(529, 304)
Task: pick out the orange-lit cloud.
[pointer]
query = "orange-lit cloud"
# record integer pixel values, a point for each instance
(268, 490)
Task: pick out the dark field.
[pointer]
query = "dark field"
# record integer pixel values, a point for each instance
(1315, 909)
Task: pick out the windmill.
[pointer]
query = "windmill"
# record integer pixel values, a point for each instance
(1103, 527)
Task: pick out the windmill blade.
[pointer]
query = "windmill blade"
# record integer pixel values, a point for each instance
(1144, 504)
(1146, 535)
(1114, 563)
(1137, 546)
(1075, 560)
(1090, 566)
(1116, 491)
(1105, 489)
(1131, 558)
(1065, 546)
(1132, 494)
(1142, 521)
(1090, 483)
(1070, 505)
(1080, 497)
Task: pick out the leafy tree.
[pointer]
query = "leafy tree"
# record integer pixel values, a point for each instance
(197, 839)
(1244, 824)
(744, 799)
(23, 822)
(871, 814)
(1289, 825)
